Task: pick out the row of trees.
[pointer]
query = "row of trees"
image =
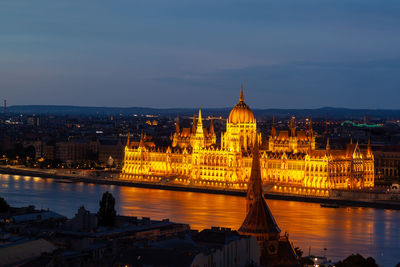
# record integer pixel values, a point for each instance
(19, 154)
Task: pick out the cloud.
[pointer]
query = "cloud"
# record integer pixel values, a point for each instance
(182, 53)
(363, 84)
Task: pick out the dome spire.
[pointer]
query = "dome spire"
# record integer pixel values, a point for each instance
(241, 98)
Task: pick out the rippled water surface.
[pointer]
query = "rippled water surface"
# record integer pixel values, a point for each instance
(342, 231)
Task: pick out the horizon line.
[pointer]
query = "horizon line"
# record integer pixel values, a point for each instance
(195, 108)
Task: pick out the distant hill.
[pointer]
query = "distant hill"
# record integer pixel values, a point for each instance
(315, 113)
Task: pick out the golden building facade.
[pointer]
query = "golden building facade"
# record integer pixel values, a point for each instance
(290, 163)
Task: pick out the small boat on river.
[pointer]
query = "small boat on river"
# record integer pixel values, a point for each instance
(63, 181)
(329, 205)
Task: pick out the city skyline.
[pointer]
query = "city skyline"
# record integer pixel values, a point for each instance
(178, 54)
(200, 133)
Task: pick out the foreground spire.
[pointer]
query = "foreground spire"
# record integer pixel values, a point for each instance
(259, 219)
(254, 189)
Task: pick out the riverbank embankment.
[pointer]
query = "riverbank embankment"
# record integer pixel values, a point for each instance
(342, 198)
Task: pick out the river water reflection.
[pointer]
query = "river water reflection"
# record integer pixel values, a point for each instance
(342, 231)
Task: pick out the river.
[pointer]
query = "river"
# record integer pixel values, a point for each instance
(342, 231)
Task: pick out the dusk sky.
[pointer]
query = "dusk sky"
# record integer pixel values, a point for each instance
(289, 54)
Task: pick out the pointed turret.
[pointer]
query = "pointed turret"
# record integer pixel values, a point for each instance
(241, 98)
(197, 140)
(328, 146)
(141, 143)
(199, 128)
(310, 129)
(128, 140)
(351, 140)
(292, 127)
(177, 128)
(273, 130)
(194, 124)
(369, 150)
(212, 127)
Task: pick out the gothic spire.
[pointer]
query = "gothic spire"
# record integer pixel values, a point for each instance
(259, 219)
(369, 150)
(199, 128)
(211, 127)
(328, 146)
(128, 141)
(194, 124)
(273, 130)
(292, 127)
(310, 130)
(141, 143)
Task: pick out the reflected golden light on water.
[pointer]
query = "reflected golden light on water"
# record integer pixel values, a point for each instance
(308, 224)
(198, 209)
(342, 231)
(5, 176)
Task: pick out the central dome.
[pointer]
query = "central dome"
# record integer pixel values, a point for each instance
(241, 113)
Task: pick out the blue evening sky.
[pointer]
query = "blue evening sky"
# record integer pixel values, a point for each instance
(181, 53)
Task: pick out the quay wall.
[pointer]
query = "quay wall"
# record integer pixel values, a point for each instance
(340, 197)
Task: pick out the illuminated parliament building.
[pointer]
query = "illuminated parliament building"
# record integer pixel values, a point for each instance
(289, 159)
